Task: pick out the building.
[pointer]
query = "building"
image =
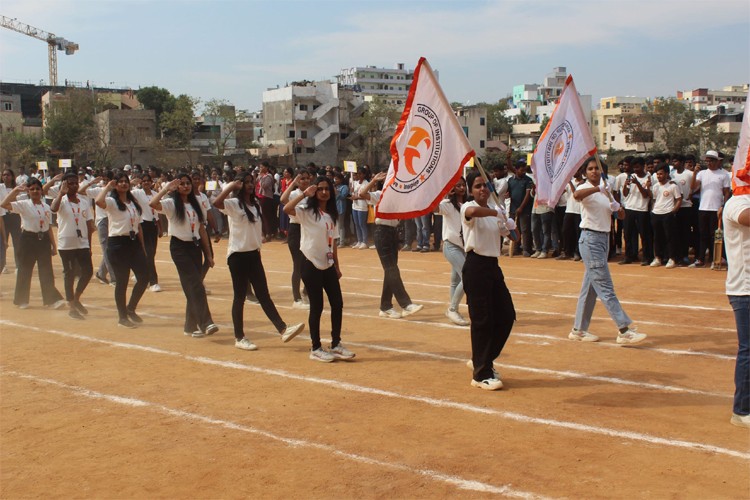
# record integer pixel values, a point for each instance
(607, 120)
(732, 98)
(553, 84)
(310, 120)
(473, 120)
(216, 134)
(128, 134)
(390, 84)
(11, 117)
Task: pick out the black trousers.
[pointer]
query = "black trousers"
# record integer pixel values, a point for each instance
(76, 261)
(707, 224)
(490, 309)
(187, 258)
(247, 268)
(637, 224)
(570, 233)
(13, 234)
(293, 242)
(317, 280)
(664, 226)
(268, 216)
(150, 239)
(204, 262)
(682, 232)
(125, 254)
(35, 249)
(386, 243)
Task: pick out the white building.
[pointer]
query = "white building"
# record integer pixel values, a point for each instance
(391, 84)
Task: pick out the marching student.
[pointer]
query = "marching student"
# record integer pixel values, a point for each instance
(244, 260)
(102, 226)
(596, 223)
(491, 308)
(667, 202)
(320, 268)
(294, 190)
(453, 247)
(189, 247)
(125, 249)
(75, 227)
(386, 244)
(199, 183)
(11, 221)
(35, 246)
(150, 226)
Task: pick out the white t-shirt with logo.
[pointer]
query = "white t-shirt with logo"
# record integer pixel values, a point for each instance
(684, 181)
(635, 199)
(481, 234)
(737, 246)
(713, 183)
(244, 236)
(187, 229)
(149, 214)
(71, 222)
(35, 218)
(665, 197)
(122, 222)
(318, 237)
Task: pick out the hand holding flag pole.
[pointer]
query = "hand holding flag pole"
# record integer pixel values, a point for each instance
(491, 186)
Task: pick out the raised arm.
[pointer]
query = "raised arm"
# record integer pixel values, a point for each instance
(228, 189)
(364, 191)
(155, 202)
(101, 198)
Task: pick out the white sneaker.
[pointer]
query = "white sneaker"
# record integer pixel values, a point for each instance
(542, 255)
(656, 262)
(252, 299)
(291, 331)
(208, 292)
(5, 270)
(411, 309)
(372, 247)
(535, 255)
(196, 334)
(245, 345)
(362, 246)
(298, 304)
(582, 336)
(631, 336)
(390, 313)
(341, 352)
(456, 318)
(321, 355)
(740, 420)
(155, 288)
(670, 264)
(211, 329)
(23, 306)
(355, 246)
(489, 384)
(57, 305)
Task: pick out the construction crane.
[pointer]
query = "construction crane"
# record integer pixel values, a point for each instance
(54, 43)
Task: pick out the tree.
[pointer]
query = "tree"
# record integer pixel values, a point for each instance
(69, 122)
(20, 149)
(673, 124)
(497, 122)
(523, 117)
(222, 118)
(177, 125)
(375, 128)
(158, 99)
(637, 130)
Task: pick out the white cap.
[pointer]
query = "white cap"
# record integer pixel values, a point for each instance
(712, 154)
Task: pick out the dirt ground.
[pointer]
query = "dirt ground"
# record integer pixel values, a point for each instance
(91, 410)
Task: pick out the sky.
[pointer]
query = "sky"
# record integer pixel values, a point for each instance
(234, 50)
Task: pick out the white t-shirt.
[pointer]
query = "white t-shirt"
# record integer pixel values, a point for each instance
(359, 205)
(302, 204)
(34, 218)
(665, 196)
(122, 222)
(71, 221)
(635, 200)
(205, 205)
(595, 212)
(481, 234)
(244, 236)
(451, 222)
(374, 199)
(3, 193)
(149, 214)
(737, 246)
(501, 188)
(713, 183)
(619, 184)
(187, 229)
(573, 206)
(683, 181)
(100, 213)
(317, 237)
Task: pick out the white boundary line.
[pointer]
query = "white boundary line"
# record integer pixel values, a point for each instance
(434, 402)
(458, 482)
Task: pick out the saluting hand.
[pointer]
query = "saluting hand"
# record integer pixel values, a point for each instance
(311, 190)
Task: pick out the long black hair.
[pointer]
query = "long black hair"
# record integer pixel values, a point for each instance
(129, 195)
(330, 208)
(179, 206)
(12, 177)
(244, 190)
(453, 198)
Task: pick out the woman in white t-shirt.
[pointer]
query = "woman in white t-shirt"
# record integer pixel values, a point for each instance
(188, 245)
(243, 259)
(75, 226)
(597, 206)
(491, 308)
(125, 248)
(453, 247)
(294, 190)
(151, 227)
(320, 268)
(35, 245)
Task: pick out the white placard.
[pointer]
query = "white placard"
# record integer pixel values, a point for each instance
(350, 166)
(42, 165)
(65, 163)
(212, 185)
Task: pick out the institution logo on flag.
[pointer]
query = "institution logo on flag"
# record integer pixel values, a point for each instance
(428, 151)
(562, 148)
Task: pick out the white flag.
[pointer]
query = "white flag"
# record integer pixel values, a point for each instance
(562, 148)
(741, 166)
(428, 151)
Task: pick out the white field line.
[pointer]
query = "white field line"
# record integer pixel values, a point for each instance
(458, 482)
(434, 402)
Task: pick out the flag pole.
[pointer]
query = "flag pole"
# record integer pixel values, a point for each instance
(599, 163)
(513, 236)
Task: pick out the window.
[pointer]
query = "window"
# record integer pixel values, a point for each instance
(303, 134)
(481, 144)
(303, 107)
(481, 122)
(466, 131)
(309, 150)
(613, 138)
(8, 106)
(291, 134)
(297, 150)
(315, 106)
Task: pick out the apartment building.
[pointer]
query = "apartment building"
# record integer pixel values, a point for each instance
(473, 120)
(607, 120)
(731, 97)
(390, 84)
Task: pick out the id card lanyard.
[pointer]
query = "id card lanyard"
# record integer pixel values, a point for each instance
(42, 219)
(192, 217)
(131, 214)
(76, 215)
(329, 236)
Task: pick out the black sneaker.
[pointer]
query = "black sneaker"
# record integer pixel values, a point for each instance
(132, 316)
(79, 307)
(73, 313)
(126, 323)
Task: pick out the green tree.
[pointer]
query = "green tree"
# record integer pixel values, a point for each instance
(375, 128)
(178, 124)
(674, 125)
(222, 117)
(69, 125)
(158, 99)
(19, 149)
(497, 122)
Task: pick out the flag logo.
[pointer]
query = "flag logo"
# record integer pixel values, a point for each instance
(557, 151)
(422, 151)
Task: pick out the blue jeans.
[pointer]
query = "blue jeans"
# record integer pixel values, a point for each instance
(105, 267)
(541, 230)
(456, 256)
(360, 224)
(741, 306)
(597, 282)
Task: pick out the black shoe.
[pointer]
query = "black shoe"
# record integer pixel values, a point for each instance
(625, 261)
(132, 316)
(644, 263)
(425, 250)
(126, 323)
(79, 307)
(73, 313)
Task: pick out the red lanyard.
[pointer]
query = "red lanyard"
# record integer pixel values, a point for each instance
(72, 209)
(192, 216)
(329, 229)
(132, 214)
(42, 216)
